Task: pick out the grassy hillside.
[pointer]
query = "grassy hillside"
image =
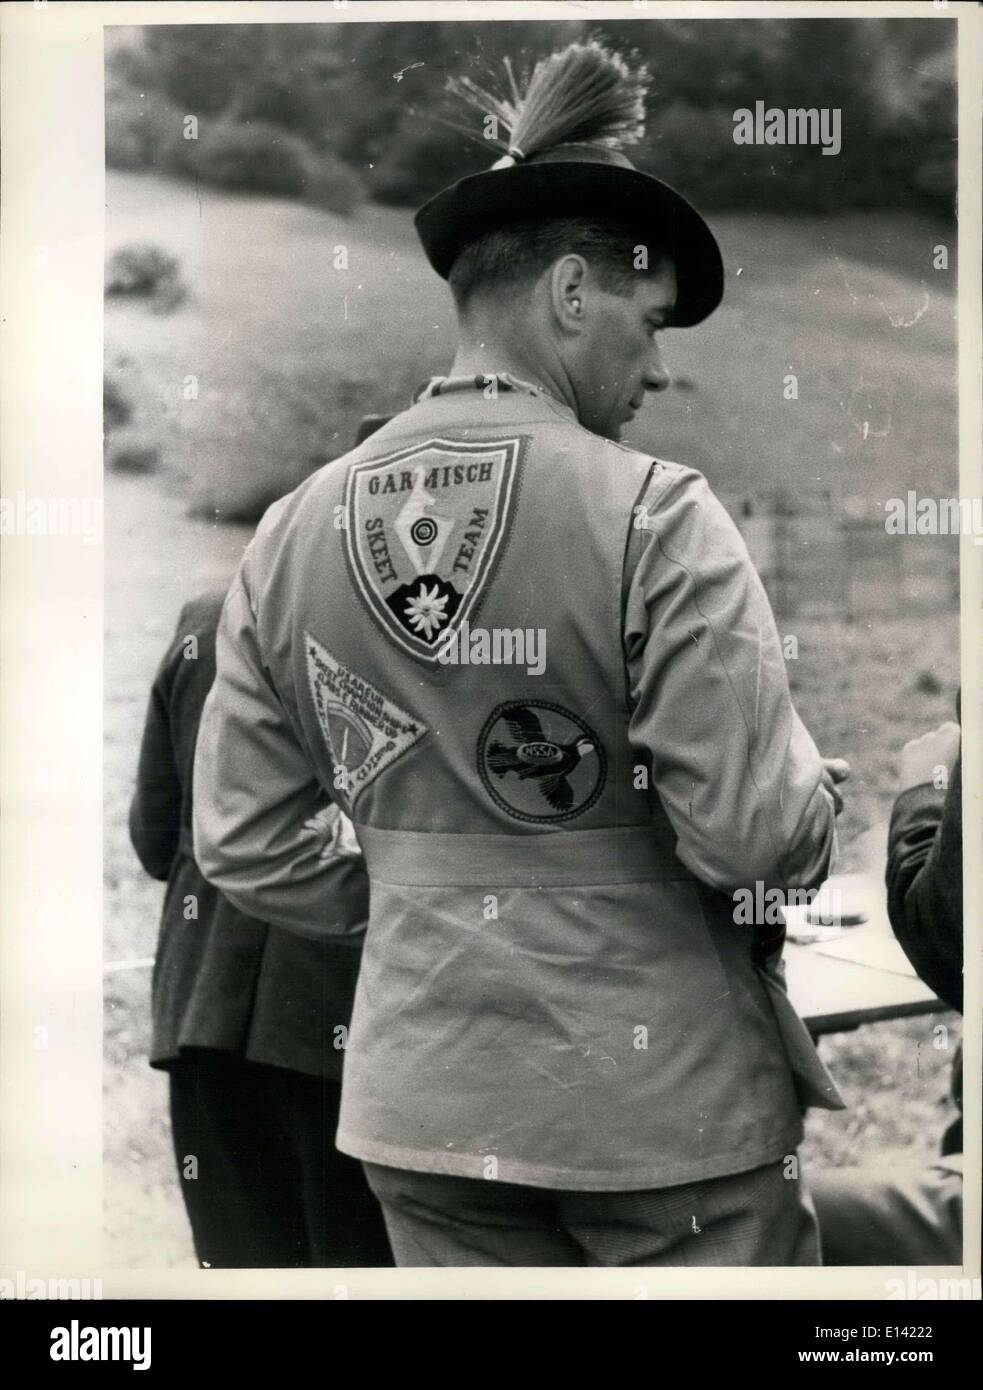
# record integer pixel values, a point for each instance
(289, 352)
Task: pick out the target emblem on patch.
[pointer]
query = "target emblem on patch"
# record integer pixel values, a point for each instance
(424, 531)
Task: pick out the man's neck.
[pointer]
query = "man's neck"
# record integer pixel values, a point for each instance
(488, 356)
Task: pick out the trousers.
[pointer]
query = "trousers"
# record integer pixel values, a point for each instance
(263, 1184)
(759, 1217)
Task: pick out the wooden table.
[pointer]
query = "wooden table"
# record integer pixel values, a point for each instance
(832, 994)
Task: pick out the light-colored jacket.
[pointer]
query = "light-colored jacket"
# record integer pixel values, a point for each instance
(553, 989)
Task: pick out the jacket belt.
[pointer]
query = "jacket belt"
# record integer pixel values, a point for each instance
(575, 858)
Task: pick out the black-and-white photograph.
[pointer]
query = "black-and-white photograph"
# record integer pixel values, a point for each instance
(533, 683)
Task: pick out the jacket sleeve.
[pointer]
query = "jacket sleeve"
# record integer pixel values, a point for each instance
(925, 884)
(155, 811)
(266, 832)
(736, 771)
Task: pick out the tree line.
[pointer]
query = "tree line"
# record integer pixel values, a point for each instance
(337, 113)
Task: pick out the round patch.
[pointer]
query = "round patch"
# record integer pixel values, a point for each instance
(539, 761)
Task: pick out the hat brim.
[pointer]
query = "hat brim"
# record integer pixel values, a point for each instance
(474, 205)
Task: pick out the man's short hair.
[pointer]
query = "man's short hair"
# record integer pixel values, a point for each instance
(516, 253)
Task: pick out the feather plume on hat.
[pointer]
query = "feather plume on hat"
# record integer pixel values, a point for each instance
(583, 95)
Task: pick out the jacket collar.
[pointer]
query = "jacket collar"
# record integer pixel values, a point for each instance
(503, 392)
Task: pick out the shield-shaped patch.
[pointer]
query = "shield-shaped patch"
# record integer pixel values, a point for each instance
(424, 528)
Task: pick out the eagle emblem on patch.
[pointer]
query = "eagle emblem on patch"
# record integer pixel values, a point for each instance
(540, 762)
(365, 731)
(424, 528)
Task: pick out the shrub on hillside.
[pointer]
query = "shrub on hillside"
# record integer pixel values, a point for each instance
(141, 270)
(132, 452)
(116, 408)
(258, 158)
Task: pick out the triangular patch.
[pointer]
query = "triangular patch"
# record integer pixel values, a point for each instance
(424, 527)
(364, 730)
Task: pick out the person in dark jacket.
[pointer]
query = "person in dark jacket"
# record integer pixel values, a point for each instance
(250, 1021)
(914, 1217)
(925, 862)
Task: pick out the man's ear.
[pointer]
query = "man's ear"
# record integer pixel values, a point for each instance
(568, 292)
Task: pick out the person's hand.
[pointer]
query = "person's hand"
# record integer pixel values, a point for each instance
(923, 756)
(835, 771)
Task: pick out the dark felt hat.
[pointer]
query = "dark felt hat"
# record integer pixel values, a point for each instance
(577, 180)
